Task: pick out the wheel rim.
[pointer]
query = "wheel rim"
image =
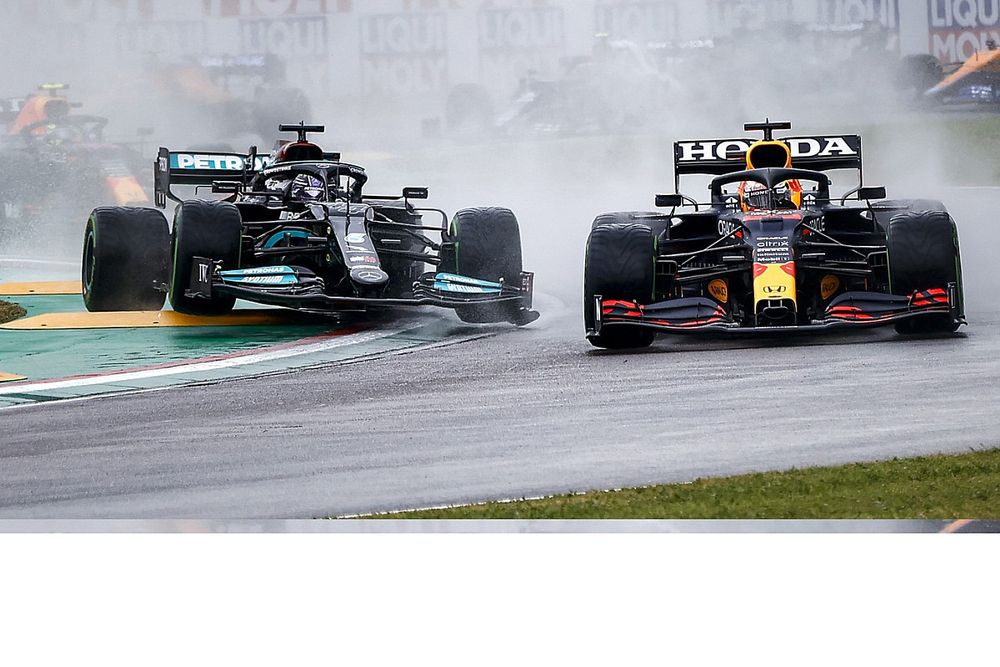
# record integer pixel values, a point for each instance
(89, 265)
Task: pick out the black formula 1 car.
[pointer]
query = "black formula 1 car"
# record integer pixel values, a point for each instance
(296, 230)
(773, 251)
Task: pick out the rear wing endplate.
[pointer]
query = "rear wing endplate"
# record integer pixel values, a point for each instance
(717, 157)
(200, 168)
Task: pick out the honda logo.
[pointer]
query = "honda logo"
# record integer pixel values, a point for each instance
(734, 149)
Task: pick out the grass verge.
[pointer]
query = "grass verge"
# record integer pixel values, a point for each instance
(933, 487)
(10, 312)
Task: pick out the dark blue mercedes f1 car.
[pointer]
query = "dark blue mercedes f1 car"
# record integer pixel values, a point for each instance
(296, 229)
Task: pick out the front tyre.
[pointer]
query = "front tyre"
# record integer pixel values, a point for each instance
(485, 244)
(923, 255)
(208, 229)
(621, 265)
(126, 259)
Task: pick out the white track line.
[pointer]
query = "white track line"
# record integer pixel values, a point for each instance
(235, 362)
(37, 262)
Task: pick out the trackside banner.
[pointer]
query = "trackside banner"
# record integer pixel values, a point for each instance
(723, 156)
(960, 28)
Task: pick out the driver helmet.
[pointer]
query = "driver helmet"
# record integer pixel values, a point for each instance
(297, 151)
(757, 197)
(303, 187)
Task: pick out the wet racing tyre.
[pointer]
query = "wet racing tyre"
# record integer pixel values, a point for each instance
(924, 254)
(126, 259)
(487, 246)
(203, 229)
(620, 264)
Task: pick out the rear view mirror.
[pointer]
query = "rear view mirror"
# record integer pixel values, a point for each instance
(867, 194)
(415, 193)
(669, 201)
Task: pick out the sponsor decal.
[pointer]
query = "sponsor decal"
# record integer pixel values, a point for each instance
(263, 270)
(736, 149)
(268, 276)
(960, 28)
(369, 275)
(719, 289)
(370, 260)
(451, 277)
(459, 288)
(829, 286)
(356, 239)
(404, 53)
(772, 250)
(727, 227)
(197, 162)
(263, 280)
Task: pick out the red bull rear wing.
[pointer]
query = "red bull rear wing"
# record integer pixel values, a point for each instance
(716, 157)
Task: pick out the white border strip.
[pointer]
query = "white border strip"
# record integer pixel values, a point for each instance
(38, 262)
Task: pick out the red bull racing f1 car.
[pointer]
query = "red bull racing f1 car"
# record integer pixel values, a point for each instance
(773, 251)
(296, 229)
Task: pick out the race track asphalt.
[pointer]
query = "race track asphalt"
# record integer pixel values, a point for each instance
(521, 413)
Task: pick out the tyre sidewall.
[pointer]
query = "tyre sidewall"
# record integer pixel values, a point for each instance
(620, 264)
(203, 229)
(125, 259)
(487, 246)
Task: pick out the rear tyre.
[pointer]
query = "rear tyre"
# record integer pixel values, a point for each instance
(924, 254)
(621, 264)
(208, 229)
(126, 260)
(487, 246)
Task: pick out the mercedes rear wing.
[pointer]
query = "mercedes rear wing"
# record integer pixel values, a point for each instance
(202, 169)
(717, 157)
